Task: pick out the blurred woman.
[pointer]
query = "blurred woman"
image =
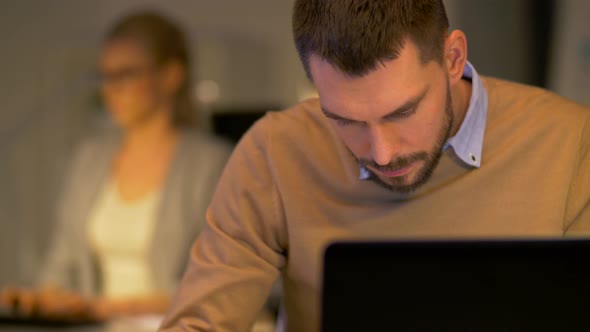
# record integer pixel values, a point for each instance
(134, 199)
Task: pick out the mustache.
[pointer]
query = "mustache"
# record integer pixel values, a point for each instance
(396, 164)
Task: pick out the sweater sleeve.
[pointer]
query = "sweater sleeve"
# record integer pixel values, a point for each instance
(238, 255)
(58, 266)
(578, 206)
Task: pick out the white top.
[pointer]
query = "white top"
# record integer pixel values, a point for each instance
(120, 233)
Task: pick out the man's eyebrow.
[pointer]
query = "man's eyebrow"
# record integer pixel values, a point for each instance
(405, 107)
(408, 105)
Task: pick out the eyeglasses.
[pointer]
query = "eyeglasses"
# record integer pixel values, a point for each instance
(123, 76)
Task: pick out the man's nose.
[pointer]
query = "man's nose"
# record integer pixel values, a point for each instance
(385, 144)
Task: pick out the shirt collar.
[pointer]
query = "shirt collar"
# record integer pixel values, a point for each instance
(468, 142)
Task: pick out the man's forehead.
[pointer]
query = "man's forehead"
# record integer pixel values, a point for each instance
(382, 90)
(403, 74)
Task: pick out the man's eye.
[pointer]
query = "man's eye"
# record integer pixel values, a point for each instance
(408, 112)
(343, 122)
(403, 114)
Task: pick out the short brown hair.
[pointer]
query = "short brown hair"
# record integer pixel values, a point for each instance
(164, 41)
(357, 35)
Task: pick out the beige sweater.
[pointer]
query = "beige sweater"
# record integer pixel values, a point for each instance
(291, 187)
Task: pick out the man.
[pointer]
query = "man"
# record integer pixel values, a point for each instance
(406, 141)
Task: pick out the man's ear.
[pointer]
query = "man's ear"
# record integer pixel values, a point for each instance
(455, 55)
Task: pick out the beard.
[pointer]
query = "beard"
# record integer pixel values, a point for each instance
(430, 159)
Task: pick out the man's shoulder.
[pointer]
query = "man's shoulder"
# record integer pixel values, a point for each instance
(519, 107)
(305, 114)
(522, 98)
(299, 123)
(530, 117)
(298, 135)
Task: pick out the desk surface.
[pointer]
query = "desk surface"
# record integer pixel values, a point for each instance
(22, 328)
(115, 326)
(124, 325)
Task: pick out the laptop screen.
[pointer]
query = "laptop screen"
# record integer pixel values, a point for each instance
(457, 286)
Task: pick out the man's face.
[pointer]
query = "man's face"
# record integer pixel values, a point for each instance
(395, 120)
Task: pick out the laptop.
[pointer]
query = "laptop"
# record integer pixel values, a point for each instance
(489, 286)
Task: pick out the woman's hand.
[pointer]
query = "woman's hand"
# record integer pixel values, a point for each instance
(22, 301)
(47, 302)
(61, 304)
(105, 309)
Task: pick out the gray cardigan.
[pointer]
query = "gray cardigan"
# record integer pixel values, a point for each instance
(195, 169)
